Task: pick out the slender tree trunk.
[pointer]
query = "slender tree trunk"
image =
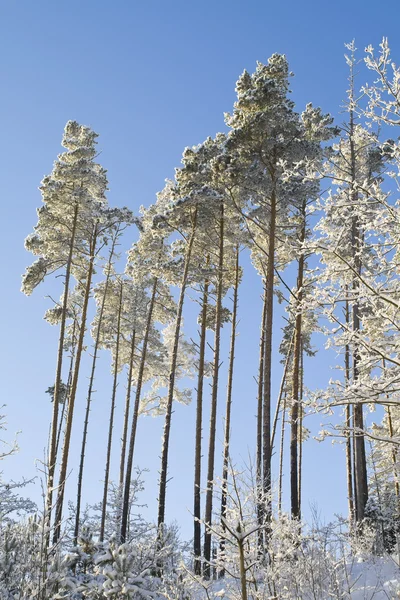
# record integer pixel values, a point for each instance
(132, 438)
(301, 409)
(360, 468)
(70, 372)
(53, 435)
(199, 418)
(353, 455)
(214, 398)
(349, 455)
(111, 419)
(378, 550)
(90, 389)
(171, 385)
(242, 566)
(395, 479)
(394, 453)
(74, 387)
(259, 425)
(127, 409)
(282, 394)
(395, 470)
(281, 391)
(359, 441)
(281, 449)
(269, 289)
(296, 376)
(229, 403)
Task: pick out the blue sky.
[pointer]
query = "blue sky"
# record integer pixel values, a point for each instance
(150, 78)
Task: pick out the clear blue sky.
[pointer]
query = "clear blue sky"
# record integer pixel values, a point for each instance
(150, 78)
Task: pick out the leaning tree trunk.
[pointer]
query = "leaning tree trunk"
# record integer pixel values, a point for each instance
(127, 409)
(111, 419)
(71, 400)
(296, 376)
(269, 291)
(199, 419)
(53, 435)
(171, 385)
(90, 389)
(214, 398)
(229, 404)
(132, 438)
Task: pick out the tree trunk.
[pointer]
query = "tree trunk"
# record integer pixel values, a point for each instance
(349, 455)
(214, 398)
(90, 390)
(296, 376)
(282, 394)
(301, 425)
(281, 449)
(53, 435)
(269, 289)
(259, 426)
(199, 418)
(360, 467)
(71, 401)
(126, 411)
(111, 419)
(395, 470)
(171, 385)
(281, 391)
(242, 566)
(70, 372)
(132, 438)
(229, 403)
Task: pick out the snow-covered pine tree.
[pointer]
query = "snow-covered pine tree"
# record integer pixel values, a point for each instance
(75, 188)
(352, 249)
(265, 132)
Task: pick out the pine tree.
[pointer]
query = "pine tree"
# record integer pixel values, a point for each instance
(71, 194)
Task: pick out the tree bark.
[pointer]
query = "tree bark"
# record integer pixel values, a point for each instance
(214, 399)
(111, 419)
(242, 566)
(281, 449)
(282, 394)
(281, 391)
(301, 425)
(349, 454)
(360, 467)
(229, 402)
(70, 372)
(296, 375)
(259, 464)
(269, 288)
(199, 418)
(127, 409)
